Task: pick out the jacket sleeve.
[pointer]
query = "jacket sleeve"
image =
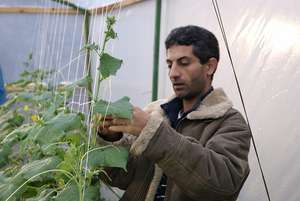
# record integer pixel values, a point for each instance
(215, 170)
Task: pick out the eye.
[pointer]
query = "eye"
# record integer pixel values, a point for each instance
(184, 62)
(169, 64)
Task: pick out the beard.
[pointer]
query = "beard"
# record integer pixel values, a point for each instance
(189, 95)
(192, 90)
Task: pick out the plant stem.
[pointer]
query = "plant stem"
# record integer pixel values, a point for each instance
(99, 80)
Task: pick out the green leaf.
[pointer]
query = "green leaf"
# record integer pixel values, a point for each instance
(44, 96)
(48, 135)
(5, 151)
(70, 162)
(71, 193)
(56, 128)
(27, 171)
(109, 65)
(2, 178)
(83, 82)
(17, 134)
(31, 169)
(17, 120)
(111, 156)
(43, 196)
(92, 193)
(49, 113)
(53, 149)
(25, 96)
(121, 108)
(64, 122)
(7, 189)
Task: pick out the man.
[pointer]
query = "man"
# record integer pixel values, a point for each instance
(194, 147)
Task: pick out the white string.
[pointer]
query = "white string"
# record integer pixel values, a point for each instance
(44, 26)
(78, 61)
(61, 50)
(72, 50)
(37, 26)
(52, 41)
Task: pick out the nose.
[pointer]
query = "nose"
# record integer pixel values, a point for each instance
(174, 72)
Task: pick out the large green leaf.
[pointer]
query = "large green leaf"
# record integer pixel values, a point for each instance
(71, 193)
(48, 135)
(25, 96)
(57, 127)
(4, 118)
(64, 122)
(5, 151)
(31, 169)
(109, 65)
(110, 156)
(43, 96)
(70, 161)
(83, 82)
(17, 120)
(7, 189)
(50, 112)
(92, 193)
(28, 171)
(44, 195)
(121, 108)
(17, 134)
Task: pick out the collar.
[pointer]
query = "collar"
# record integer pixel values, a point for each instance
(213, 106)
(174, 107)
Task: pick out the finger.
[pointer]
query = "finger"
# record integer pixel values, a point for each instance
(123, 129)
(107, 118)
(106, 123)
(104, 131)
(120, 121)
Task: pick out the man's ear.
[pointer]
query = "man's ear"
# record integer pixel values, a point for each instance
(212, 65)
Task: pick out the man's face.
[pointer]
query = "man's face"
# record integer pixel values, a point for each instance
(188, 76)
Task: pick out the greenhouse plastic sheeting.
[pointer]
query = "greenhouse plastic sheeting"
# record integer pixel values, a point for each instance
(264, 40)
(134, 46)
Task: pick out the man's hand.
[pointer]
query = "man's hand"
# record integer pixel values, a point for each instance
(134, 126)
(103, 129)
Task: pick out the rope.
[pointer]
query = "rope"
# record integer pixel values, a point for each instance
(219, 17)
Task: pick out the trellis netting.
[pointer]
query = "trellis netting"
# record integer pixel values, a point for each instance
(264, 43)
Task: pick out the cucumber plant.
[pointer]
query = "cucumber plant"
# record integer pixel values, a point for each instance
(46, 150)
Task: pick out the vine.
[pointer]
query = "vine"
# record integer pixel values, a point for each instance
(47, 156)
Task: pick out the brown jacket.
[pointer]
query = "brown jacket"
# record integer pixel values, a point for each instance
(205, 158)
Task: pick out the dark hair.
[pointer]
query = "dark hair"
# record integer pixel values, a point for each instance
(205, 44)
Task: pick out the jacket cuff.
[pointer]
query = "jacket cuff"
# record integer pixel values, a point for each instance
(141, 143)
(111, 138)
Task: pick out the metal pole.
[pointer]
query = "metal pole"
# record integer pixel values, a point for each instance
(156, 50)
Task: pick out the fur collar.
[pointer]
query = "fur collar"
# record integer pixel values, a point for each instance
(214, 105)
